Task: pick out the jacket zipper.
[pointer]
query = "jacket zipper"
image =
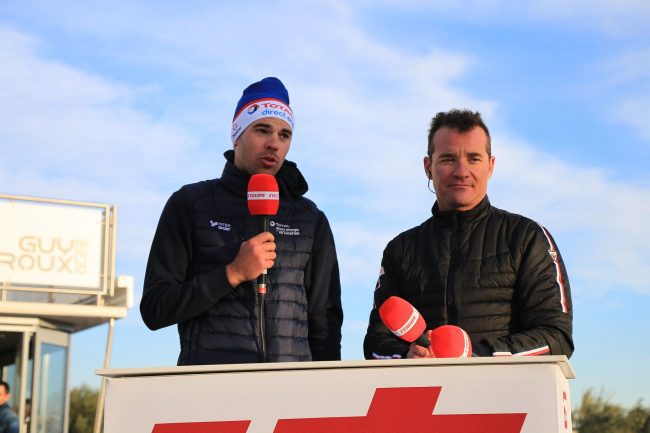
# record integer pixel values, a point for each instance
(451, 273)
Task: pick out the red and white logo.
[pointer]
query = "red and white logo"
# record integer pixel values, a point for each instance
(391, 410)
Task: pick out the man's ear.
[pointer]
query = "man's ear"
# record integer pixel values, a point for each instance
(427, 166)
(491, 169)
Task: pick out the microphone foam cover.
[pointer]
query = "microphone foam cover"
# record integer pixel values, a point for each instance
(402, 319)
(449, 341)
(263, 195)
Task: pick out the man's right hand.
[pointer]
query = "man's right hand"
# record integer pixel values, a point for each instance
(254, 256)
(416, 351)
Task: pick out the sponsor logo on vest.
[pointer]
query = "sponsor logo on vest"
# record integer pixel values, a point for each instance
(284, 229)
(220, 225)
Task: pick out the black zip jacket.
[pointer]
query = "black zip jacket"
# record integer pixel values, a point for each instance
(497, 275)
(199, 233)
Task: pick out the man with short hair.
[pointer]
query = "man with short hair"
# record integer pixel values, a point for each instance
(8, 419)
(207, 252)
(497, 275)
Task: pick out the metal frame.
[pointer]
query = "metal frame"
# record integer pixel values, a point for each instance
(27, 329)
(47, 336)
(27, 336)
(99, 411)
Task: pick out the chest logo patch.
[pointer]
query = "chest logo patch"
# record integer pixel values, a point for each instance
(219, 225)
(284, 229)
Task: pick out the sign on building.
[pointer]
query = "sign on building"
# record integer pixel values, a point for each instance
(55, 245)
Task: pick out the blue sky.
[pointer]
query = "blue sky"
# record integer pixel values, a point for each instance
(123, 102)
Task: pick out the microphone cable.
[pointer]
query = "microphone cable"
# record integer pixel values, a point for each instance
(262, 284)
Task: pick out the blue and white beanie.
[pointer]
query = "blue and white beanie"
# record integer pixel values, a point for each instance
(266, 98)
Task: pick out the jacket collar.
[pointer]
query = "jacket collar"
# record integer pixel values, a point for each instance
(454, 217)
(290, 181)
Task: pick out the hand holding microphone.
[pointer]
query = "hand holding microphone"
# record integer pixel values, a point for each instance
(450, 341)
(416, 351)
(257, 254)
(403, 320)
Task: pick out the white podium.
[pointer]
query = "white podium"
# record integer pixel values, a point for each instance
(475, 395)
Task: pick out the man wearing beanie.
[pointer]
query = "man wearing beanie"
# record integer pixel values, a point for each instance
(207, 253)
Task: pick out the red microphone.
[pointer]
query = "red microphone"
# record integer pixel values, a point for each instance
(404, 321)
(449, 341)
(263, 200)
(263, 195)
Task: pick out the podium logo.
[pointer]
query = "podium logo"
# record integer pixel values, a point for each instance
(391, 410)
(36, 253)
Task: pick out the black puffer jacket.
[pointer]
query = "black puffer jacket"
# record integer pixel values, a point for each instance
(199, 233)
(497, 275)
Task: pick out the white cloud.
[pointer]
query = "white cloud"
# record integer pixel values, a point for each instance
(64, 121)
(70, 134)
(626, 17)
(626, 77)
(616, 17)
(636, 112)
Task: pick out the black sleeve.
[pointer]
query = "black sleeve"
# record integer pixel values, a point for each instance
(379, 342)
(542, 307)
(169, 295)
(323, 287)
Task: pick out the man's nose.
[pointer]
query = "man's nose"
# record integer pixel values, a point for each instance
(461, 168)
(273, 141)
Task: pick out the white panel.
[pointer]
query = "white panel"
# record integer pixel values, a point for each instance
(51, 245)
(136, 404)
